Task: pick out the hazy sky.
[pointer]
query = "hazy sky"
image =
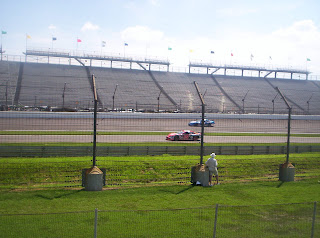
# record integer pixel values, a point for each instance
(278, 33)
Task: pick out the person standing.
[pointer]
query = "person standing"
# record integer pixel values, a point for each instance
(212, 165)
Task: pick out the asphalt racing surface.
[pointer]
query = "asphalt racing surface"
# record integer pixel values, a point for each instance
(155, 124)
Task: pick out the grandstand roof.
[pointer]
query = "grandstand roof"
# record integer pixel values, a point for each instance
(248, 68)
(96, 57)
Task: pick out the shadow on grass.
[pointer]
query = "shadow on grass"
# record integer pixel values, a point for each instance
(280, 184)
(174, 191)
(55, 194)
(185, 189)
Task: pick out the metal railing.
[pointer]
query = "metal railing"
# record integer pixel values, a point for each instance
(48, 59)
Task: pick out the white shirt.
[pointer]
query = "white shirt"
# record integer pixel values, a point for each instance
(212, 163)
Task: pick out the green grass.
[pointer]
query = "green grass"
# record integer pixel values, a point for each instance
(154, 211)
(159, 197)
(147, 211)
(145, 133)
(25, 173)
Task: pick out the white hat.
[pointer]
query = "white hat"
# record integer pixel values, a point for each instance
(213, 155)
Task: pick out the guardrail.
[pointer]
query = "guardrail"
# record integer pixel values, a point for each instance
(75, 151)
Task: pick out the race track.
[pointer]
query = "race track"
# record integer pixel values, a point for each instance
(150, 138)
(155, 124)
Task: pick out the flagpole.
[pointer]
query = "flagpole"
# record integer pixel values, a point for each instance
(146, 51)
(26, 47)
(306, 64)
(1, 45)
(307, 59)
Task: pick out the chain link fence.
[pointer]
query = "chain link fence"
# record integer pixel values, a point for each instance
(51, 105)
(278, 220)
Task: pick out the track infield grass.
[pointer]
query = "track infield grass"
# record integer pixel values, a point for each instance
(157, 207)
(154, 211)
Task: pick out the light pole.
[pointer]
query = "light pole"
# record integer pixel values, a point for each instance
(243, 101)
(114, 93)
(35, 101)
(159, 101)
(308, 102)
(64, 90)
(6, 95)
(273, 103)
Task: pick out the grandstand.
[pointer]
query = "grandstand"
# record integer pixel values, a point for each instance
(37, 85)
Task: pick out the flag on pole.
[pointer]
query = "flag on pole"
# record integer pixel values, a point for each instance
(308, 59)
(190, 51)
(54, 38)
(3, 32)
(28, 37)
(78, 40)
(231, 54)
(169, 48)
(125, 44)
(212, 52)
(103, 43)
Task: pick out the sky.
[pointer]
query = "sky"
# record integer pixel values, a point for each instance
(267, 33)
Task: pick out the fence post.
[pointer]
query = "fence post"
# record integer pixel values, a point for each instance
(95, 222)
(313, 218)
(215, 221)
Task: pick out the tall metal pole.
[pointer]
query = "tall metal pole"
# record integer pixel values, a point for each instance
(95, 223)
(314, 218)
(6, 95)
(309, 101)
(1, 46)
(289, 123)
(215, 221)
(202, 132)
(114, 93)
(64, 89)
(94, 121)
(288, 137)
(159, 102)
(243, 101)
(273, 103)
(35, 101)
(202, 118)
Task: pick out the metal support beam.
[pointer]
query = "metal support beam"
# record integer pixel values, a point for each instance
(215, 70)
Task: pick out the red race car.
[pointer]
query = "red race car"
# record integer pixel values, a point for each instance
(184, 135)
